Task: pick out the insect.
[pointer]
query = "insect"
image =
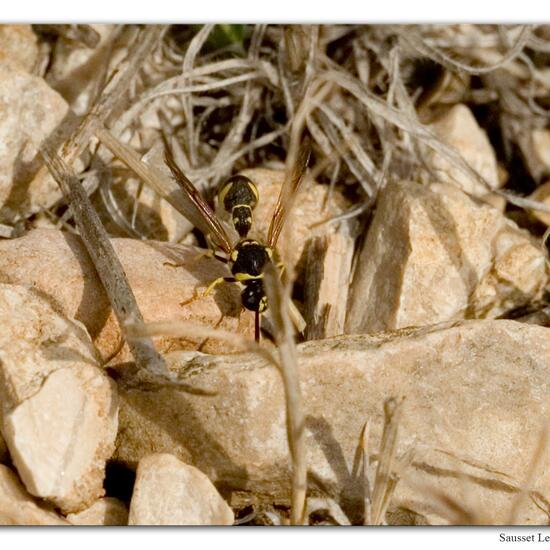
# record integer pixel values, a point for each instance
(248, 258)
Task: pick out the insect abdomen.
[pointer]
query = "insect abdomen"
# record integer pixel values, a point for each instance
(253, 296)
(238, 190)
(239, 197)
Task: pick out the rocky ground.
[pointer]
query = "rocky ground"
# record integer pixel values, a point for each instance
(418, 392)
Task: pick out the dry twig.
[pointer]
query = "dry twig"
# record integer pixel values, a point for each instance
(106, 262)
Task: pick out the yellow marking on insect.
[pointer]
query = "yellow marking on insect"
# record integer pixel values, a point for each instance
(247, 277)
(252, 186)
(242, 206)
(223, 192)
(263, 304)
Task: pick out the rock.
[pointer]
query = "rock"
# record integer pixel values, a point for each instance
(58, 409)
(459, 129)
(56, 265)
(35, 341)
(496, 201)
(327, 281)
(433, 255)
(105, 511)
(17, 507)
(30, 113)
(60, 445)
(169, 492)
(476, 397)
(18, 44)
(542, 194)
(541, 147)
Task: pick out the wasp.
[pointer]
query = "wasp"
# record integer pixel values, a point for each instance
(247, 258)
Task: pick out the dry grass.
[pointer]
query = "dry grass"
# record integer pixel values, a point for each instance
(362, 93)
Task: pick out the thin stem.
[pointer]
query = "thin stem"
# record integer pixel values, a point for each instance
(105, 260)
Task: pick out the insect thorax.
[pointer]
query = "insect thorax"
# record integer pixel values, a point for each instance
(249, 259)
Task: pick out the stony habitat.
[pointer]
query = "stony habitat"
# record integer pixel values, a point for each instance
(383, 359)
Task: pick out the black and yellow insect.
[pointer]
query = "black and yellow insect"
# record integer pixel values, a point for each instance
(248, 258)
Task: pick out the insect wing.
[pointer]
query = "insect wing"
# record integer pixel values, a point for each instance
(200, 214)
(288, 193)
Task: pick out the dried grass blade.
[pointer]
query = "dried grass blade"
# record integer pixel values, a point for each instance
(401, 120)
(367, 491)
(161, 183)
(105, 260)
(278, 299)
(113, 92)
(415, 39)
(383, 487)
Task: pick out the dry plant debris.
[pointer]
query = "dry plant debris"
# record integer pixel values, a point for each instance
(415, 253)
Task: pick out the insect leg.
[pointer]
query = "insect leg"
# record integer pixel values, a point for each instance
(257, 332)
(204, 254)
(215, 283)
(210, 288)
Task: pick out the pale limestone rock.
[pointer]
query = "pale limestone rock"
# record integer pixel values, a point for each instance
(169, 492)
(476, 398)
(327, 280)
(17, 507)
(542, 194)
(61, 437)
(533, 144)
(105, 511)
(496, 201)
(18, 44)
(35, 341)
(56, 265)
(59, 410)
(30, 112)
(459, 129)
(541, 146)
(433, 255)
